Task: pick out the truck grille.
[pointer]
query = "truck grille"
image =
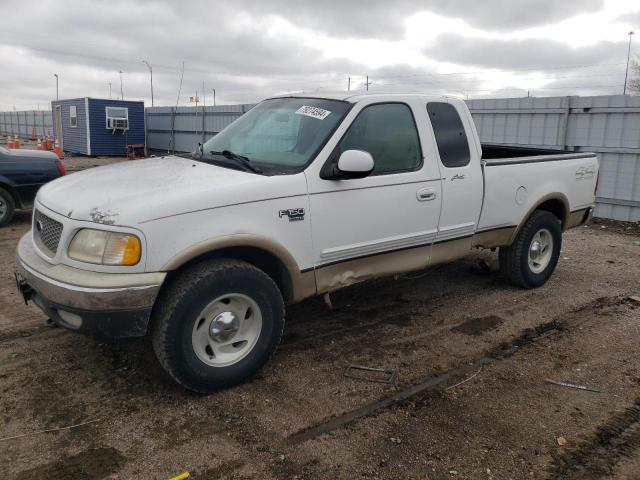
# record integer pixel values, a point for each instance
(46, 232)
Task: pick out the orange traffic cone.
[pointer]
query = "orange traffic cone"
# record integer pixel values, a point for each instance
(39, 146)
(10, 143)
(57, 150)
(16, 142)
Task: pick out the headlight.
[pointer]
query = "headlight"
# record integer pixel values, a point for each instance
(105, 248)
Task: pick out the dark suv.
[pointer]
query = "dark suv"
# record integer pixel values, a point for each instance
(22, 173)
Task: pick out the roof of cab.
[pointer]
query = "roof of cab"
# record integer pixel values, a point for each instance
(354, 97)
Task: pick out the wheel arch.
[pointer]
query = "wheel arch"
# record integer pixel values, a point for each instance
(555, 203)
(265, 254)
(12, 191)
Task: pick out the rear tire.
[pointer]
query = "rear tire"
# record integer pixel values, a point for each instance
(533, 256)
(7, 207)
(217, 323)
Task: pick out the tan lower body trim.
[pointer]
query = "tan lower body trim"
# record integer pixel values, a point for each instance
(577, 218)
(498, 237)
(304, 286)
(451, 250)
(333, 277)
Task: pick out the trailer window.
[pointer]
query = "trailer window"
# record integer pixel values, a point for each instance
(73, 116)
(388, 132)
(450, 134)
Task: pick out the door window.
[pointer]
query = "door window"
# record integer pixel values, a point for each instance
(388, 132)
(450, 134)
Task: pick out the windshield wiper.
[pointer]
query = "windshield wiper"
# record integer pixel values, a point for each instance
(240, 159)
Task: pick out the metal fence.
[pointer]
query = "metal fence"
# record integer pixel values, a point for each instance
(607, 125)
(24, 122)
(181, 128)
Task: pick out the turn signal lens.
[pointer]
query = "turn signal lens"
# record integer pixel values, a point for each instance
(122, 249)
(106, 248)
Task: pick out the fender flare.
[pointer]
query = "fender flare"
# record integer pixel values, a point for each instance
(9, 186)
(302, 282)
(556, 196)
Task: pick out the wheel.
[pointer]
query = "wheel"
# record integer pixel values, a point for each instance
(532, 258)
(217, 323)
(7, 207)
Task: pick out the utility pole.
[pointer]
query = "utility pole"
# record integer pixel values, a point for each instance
(214, 97)
(121, 94)
(151, 75)
(57, 97)
(109, 90)
(348, 84)
(626, 72)
(367, 83)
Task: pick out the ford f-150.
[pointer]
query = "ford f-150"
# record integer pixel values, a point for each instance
(300, 196)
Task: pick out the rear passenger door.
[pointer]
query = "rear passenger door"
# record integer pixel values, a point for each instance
(462, 183)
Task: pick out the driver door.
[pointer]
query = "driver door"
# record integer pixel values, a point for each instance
(383, 223)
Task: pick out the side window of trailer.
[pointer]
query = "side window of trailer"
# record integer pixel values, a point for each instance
(73, 116)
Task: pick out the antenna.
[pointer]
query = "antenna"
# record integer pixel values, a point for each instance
(180, 86)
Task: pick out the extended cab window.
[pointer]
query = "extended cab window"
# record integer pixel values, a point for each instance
(388, 132)
(451, 137)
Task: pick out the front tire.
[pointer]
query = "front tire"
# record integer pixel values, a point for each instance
(217, 323)
(533, 256)
(7, 207)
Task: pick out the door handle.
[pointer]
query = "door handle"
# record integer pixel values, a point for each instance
(426, 194)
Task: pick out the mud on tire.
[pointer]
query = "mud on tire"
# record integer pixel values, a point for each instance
(525, 263)
(193, 321)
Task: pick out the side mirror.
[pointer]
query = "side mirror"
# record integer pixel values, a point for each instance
(354, 164)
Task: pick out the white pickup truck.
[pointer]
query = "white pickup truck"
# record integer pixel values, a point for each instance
(298, 197)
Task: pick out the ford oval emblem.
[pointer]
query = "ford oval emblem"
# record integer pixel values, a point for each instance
(39, 226)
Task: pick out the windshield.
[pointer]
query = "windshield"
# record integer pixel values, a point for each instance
(281, 134)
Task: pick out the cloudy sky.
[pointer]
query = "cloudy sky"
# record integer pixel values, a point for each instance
(248, 50)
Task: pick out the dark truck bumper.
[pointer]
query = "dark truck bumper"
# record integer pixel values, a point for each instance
(101, 304)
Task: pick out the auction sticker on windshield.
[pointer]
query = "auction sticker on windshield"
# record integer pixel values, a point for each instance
(313, 112)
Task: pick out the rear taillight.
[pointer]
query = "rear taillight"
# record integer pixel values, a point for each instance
(61, 169)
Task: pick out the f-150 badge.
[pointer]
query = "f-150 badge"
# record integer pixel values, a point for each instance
(294, 214)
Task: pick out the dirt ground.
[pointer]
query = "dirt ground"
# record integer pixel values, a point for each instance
(471, 400)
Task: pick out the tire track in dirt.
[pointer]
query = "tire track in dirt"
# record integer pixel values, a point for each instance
(619, 437)
(504, 350)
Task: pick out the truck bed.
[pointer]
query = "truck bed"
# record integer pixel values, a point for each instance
(517, 176)
(494, 154)
(492, 151)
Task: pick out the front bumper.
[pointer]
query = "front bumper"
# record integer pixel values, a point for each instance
(113, 305)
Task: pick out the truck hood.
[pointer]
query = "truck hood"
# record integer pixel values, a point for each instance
(132, 192)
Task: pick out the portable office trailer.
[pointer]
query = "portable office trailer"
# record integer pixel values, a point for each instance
(93, 126)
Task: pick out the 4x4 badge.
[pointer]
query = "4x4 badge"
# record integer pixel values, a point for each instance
(294, 214)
